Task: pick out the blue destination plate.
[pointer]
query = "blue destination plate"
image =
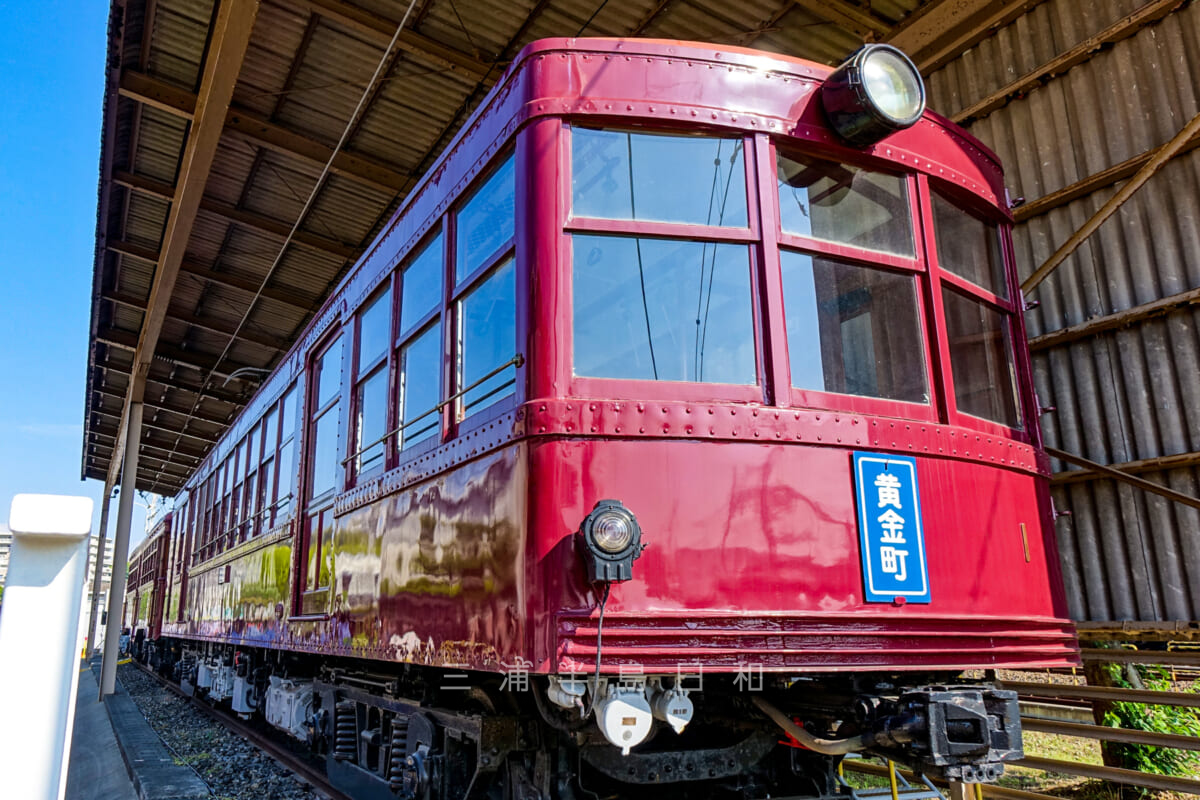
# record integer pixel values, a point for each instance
(889, 528)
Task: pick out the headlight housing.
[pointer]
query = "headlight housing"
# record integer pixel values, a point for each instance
(874, 93)
(610, 540)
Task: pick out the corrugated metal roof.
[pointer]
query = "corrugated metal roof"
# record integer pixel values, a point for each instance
(1131, 394)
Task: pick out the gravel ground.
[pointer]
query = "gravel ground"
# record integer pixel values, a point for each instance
(233, 768)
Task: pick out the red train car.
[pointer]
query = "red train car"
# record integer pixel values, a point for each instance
(685, 399)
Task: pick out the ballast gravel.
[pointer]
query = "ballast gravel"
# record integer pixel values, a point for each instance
(233, 768)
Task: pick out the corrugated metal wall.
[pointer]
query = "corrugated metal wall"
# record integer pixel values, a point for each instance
(1130, 394)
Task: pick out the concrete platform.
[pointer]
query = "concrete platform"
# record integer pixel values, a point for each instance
(95, 769)
(116, 755)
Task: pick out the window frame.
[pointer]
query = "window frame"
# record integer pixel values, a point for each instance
(403, 337)
(454, 423)
(358, 377)
(749, 236)
(1010, 310)
(915, 266)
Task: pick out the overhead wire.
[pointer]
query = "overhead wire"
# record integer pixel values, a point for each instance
(308, 204)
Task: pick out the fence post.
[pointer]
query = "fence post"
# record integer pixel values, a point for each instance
(39, 635)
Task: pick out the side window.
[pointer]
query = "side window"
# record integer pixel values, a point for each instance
(485, 222)
(979, 314)
(374, 324)
(419, 346)
(325, 408)
(283, 496)
(485, 305)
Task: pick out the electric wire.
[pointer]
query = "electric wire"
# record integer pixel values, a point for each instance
(637, 243)
(713, 263)
(599, 636)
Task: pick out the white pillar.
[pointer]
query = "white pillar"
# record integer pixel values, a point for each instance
(116, 587)
(39, 634)
(93, 632)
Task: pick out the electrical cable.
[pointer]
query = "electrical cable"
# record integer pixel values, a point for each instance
(637, 243)
(308, 204)
(599, 635)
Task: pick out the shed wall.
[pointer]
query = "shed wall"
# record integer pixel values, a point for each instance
(1134, 393)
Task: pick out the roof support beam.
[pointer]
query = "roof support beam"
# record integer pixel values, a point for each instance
(1159, 464)
(944, 29)
(127, 340)
(379, 31)
(1093, 183)
(1101, 470)
(249, 219)
(262, 340)
(1157, 162)
(866, 26)
(168, 408)
(265, 133)
(1117, 320)
(215, 394)
(227, 49)
(1122, 29)
(249, 285)
(650, 16)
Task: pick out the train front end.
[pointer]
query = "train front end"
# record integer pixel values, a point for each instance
(784, 465)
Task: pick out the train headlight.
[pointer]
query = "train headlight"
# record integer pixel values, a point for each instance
(611, 540)
(875, 92)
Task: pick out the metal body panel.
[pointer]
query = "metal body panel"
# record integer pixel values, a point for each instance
(463, 555)
(753, 557)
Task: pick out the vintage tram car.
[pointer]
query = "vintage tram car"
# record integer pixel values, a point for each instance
(684, 401)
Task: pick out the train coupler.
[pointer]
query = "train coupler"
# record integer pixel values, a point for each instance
(962, 733)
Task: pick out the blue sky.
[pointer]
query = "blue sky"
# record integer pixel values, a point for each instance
(52, 79)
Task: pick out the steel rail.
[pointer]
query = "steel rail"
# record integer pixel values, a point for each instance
(1129, 777)
(1107, 734)
(1162, 658)
(285, 758)
(1049, 690)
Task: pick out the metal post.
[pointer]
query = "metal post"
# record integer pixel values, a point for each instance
(39, 634)
(116, 587)
(93, 632)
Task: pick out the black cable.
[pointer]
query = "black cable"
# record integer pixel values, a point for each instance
(713, 264)
(599, 635)
(599, 8)
(637, 243)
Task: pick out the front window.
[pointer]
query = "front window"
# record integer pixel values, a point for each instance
(843, 204)
(662, 309)
(694, 180)
(662, 267)
(853, 329)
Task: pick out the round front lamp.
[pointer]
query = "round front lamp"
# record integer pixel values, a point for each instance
(874, 93)
(610, 540)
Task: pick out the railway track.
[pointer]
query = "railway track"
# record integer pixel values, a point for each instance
(276, 751)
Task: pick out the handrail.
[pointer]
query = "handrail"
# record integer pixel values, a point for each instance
(518, 361)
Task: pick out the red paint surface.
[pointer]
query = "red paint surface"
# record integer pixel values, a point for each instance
(464, 553)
